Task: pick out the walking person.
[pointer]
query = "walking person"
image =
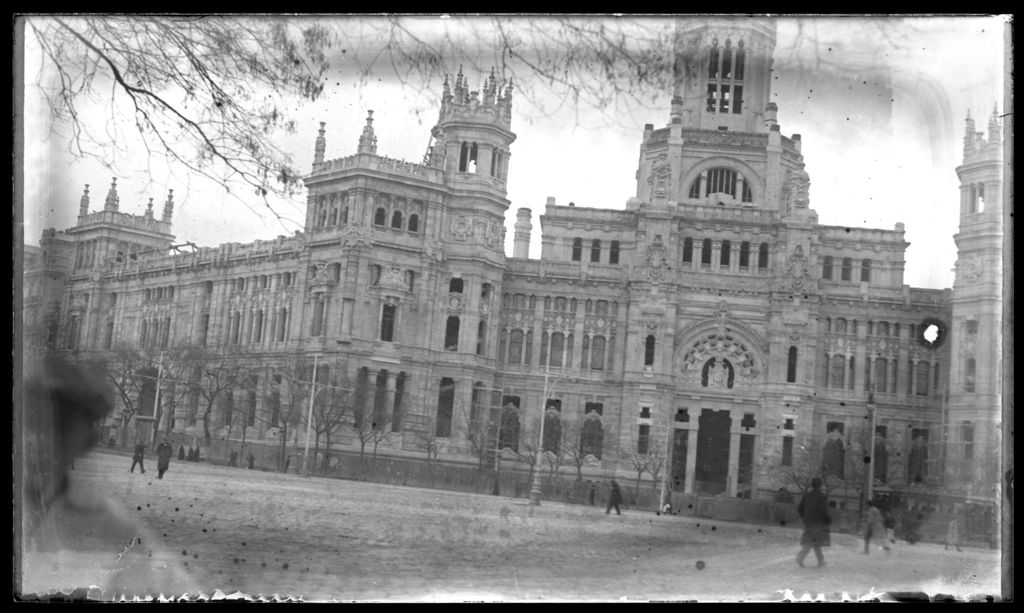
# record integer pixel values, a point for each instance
(813, 509)
(593, 492)
(875, 527)
(614, 499)
(138, 457)
(233, 461)
(164, 451)
(252, 460)
(953, 534)
(181, 453)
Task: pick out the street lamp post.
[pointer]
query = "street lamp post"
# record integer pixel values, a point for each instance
(535, 490)
(871, 452)
(309, 421)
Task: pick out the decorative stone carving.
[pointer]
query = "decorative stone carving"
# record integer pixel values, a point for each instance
(355, 235)
(797, 190)
(656, 259)
(454, 302)
(323, 274)
(659, 180)
(720, 346)
(970, 268)
(435, 251)
(797, 276)
(461, 227)
(392, 277)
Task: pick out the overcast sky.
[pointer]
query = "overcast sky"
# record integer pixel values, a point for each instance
(880, 109)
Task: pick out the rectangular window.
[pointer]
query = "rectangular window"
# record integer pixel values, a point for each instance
(967, 434)
(204, 328)
(787, 451)
(687, 250)
(387, 323)
(595, 250)
(705, 252)
(712, 97)
(847, 269)
(826, 268)
(445, 403)
(577, 249)
(557, 347)
(515, 347)
(724, 103)
(726, 252)
(745, 254)
(643, 439)
(613, 253)
(737, 97)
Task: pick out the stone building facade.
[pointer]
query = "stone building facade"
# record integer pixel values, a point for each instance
(712, 324)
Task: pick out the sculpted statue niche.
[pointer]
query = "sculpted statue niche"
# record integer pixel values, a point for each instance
(717, 373)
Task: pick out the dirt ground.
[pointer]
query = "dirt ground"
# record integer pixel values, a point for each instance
(268, 535)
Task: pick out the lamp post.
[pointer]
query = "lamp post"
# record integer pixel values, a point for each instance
(156, 400)
(871, 453)
(309, 420)
(535, 490)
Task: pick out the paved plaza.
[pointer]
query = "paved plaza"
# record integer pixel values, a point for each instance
(266, 534)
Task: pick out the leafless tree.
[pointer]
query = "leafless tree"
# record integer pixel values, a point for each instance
(122, 368)
(211, 93)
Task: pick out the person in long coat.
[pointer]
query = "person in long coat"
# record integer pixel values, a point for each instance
(164, 451)
(953, 534)
(875, 527)
(614, 498)
(138, 457)
(813, 509)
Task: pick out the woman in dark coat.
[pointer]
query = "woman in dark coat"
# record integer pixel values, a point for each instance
(813, 510)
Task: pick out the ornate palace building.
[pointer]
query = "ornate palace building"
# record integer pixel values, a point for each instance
(712, 322)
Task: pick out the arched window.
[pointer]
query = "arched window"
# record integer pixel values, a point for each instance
(508, 433)
(762, 256)
(451, 334)
(515, 347)
(791, 366)
(595, 250)
(592, 434)
(865, 271)
(649, 350)
(847, 269)
(881, 382)
(922, 378)
(713, 59)
(727, 60)
(687, 249)
(445, 404)
(396, 220)
(738, 63)
(481, 337)
(597, 346)
(380, 217)
(838, 374)
(557, 348)
(577, 249)
(969, 370)
(414, 223)
(745, 254)
(387, 323)
(826, 268)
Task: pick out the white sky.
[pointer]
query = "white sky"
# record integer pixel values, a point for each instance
(881, 113)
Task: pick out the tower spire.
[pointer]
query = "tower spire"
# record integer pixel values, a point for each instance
(149, 209)
(993, 125)
(367, 140)
(112, 201)
(83, 204)
(320, 146)
(169, 206)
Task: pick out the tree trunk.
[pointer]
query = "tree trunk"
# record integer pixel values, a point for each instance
(281, 461)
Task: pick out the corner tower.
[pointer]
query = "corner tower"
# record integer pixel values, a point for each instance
(473, 134)
(976, 372)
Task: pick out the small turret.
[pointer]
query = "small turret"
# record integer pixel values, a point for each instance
(112, 201)
(320, 146)
(994, 130)
(367, 140)
(149, 210)
(169, 206)
(83, 204)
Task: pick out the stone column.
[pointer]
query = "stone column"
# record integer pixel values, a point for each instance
(389, 397)
(716, 252)
(827, 369)
(691, 457)
(734, 455)
(912, 372)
